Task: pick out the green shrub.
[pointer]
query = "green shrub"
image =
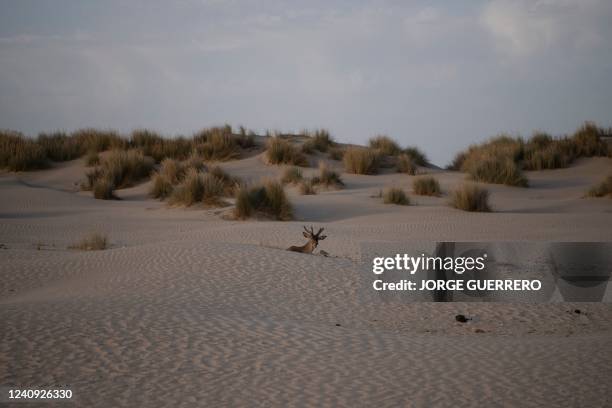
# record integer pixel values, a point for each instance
(395, 196)
(428, 186)
(292, 175)
(603, 189)
(470, 198)
(405, 164)
(268, 199)
(417, 156)
(281, 151)
(361, 160)
(385, 145)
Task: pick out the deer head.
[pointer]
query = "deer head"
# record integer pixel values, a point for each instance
(313, 240)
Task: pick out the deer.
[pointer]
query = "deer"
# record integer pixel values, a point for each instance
(313, 241)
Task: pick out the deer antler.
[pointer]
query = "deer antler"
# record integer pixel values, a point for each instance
(319, 232)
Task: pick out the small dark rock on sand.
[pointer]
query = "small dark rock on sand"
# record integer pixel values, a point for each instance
(461, 318)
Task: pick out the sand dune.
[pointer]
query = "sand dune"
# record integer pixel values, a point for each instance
(187, 309)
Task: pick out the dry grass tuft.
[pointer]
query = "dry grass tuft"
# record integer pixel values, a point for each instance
(327, 177)
(336, 153)
(359, 160)
(428, 186)
(603, 189)
(292, 175)
(17, 153)
(470, 197)
(92, 159)
(319, 140)
(306, 187)
(405, 164)
(395, 196)
(281, 151)
(385, 145)
(92, 242)
(268, 199)
(418, 157)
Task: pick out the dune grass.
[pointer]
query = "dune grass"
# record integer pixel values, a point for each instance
(281, 151)
(92, 158)
(327, 177)
(336, 153)
(292, 175)
(470, 197)
(497, 170)
(396, 196)
(217, 144)
(320, 140)
(587, 141)
(306, 187)
(358, 160)
(18, 153)
(418, 157)
(198, 187)
(268, 199)
(92, 242)
(602, 189)
(427, 186)
(406, 164)
(385, 145)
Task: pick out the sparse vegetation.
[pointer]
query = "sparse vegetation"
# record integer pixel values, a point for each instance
(103, 188)
(267, 199)
(92, 242)
(405, 164)
(281, 151)
(428, 186)
(603, 189)
(385, 145)
(307, 188)
(395, 196)
(417, 156)
(292, 175)
(360, 160)
(92, 159)
(336, 153)
(319, 140)
(217, 144)
(17, 153)
(470, 197)
(327, 177)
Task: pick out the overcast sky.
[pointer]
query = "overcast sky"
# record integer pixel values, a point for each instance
(439, 75)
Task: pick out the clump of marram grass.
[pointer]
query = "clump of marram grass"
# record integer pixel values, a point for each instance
(602, 189)
(418, 157)
(58, 146)
(428, 186)
(268, 199)
(92, 242)
(336, 153)
(497, 170)
(385, 145)
(292, 175)
(125, 168)
(405, 164)
(327, 177)
(306, 187)
(360, 160)
(190, 191)
(319, 140)
(281, 151)
(396, 196)
(470, 197)
(103, 188)
(219, 145)
(588, 141)
(92, 158)
(18, 153)
(99, 140)
(161, 187)
(228, 182)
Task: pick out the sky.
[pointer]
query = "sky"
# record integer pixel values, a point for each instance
(437, 75)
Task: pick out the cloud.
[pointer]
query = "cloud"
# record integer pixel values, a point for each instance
(524, 27)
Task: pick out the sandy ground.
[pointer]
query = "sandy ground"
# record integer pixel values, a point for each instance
(189, 309)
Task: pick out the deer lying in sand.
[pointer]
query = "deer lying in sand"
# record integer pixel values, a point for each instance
(313, 241)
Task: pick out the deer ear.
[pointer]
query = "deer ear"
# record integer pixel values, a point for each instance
(305, 235)
(322, 237)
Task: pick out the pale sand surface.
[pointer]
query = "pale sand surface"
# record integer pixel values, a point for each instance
(189, 309)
